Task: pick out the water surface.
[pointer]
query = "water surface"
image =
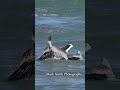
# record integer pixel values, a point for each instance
(64, 21)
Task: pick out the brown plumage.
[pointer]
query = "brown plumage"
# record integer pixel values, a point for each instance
(26, 69)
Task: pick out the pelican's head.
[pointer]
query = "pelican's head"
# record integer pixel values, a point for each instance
(80, 55)
(49, 41)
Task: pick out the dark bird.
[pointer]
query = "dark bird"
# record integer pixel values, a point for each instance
(26, 69)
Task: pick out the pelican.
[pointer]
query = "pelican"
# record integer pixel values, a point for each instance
(55, 52)
(59, 53)
(101, 72)
(27, 66)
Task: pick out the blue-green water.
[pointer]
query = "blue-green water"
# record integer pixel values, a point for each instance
(64, 20)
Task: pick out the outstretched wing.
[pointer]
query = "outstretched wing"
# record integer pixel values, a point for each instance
(67, 47)
(46, 55)
(26, 70)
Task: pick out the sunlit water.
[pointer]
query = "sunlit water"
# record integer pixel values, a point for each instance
(64, 21)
